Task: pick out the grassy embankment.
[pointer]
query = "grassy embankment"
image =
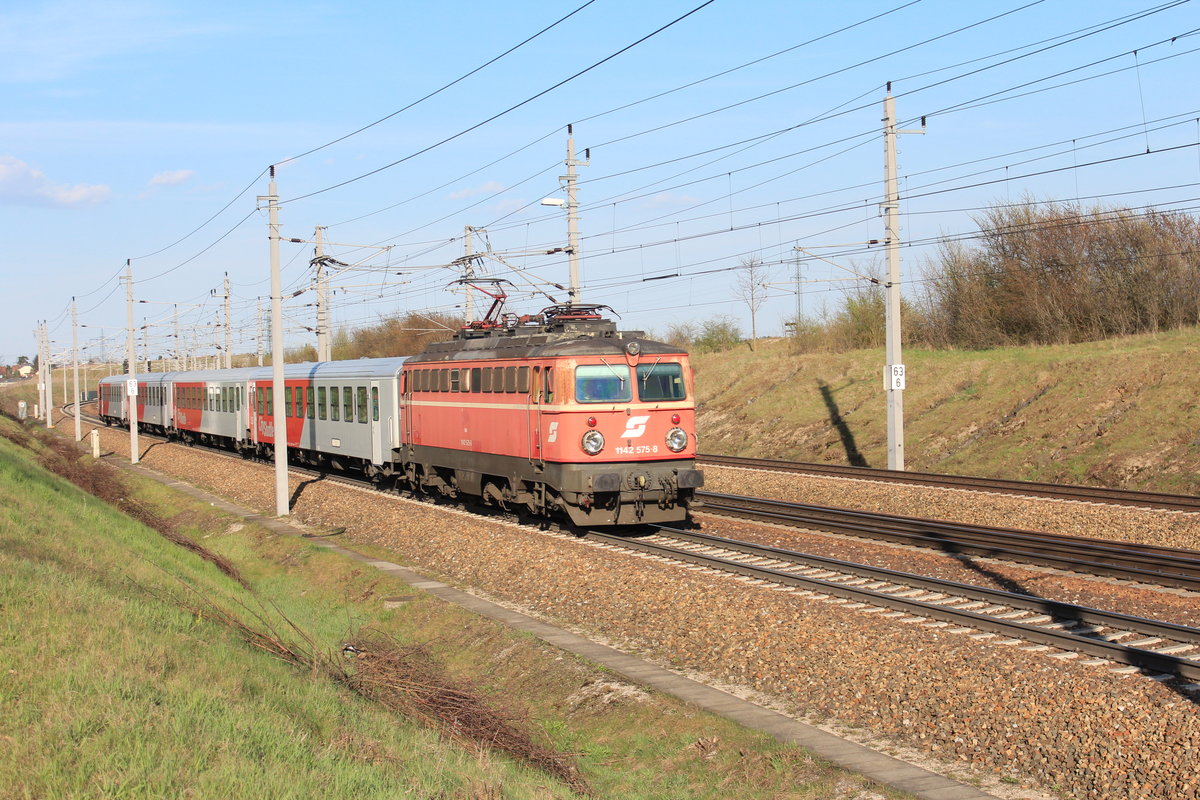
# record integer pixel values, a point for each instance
(1124, 412)
(118, 678)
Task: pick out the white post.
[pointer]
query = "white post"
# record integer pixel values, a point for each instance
(131, 354)
(95, 436)
(323, 349)
(894, 372)
(573, 213)
(280, 420)
(228, 327)
(468, 274)
(75, 368)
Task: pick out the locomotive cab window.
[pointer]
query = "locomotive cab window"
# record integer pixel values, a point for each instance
(659, 381)
(601, 383)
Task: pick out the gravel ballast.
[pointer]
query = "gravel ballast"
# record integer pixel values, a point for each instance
(1087, 731)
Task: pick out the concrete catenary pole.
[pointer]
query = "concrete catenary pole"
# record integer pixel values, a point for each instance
(280, 421)
(228, 326)
(570, 180)
(75, 369)
(259, 315)
(894, 372)
(49, 405)
(468, 273)
(131, 356)
(323, 350)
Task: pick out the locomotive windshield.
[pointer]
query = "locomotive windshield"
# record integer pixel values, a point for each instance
(660, 381)
(602, 383)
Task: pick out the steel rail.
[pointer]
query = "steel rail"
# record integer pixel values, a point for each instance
(1166, 566)
(1139, 657)
(1092, 494)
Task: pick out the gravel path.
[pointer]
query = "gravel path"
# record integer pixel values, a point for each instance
(1086, 730)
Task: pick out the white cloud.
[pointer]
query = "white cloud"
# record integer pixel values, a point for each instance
(171, 177)
(491, 187)
(21, 184)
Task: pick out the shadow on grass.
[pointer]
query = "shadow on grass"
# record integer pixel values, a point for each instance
(853, 456)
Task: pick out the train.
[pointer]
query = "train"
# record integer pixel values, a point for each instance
(558, 413)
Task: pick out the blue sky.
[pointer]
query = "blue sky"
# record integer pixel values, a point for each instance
(143, 130)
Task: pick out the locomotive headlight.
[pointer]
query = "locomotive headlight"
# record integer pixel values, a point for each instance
(677, 439)
(592, 442)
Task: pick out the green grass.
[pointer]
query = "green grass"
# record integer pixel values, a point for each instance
(1123, 412)
(111, 688)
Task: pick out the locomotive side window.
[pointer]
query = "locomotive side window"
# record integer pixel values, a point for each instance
(321, 402)
(659, 381)
(334, 404)
(510, 379)
(548, 385)
(602, 383)
(486, 380)
(348, 403)
(523, 380)
(443, 380)
(475, 380)
(362, 404)
(454, 380)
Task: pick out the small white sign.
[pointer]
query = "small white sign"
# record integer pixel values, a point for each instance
(893, 377)
(131, 387)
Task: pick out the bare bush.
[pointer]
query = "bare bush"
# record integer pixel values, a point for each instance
(1059, 273)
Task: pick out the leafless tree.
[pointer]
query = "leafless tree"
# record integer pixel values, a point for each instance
(751, 289)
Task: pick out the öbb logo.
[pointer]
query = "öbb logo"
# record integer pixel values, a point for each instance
(635, 427)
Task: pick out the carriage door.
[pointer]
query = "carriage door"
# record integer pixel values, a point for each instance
(376, 436)
(251, 411)
(245, 426)
(536, 455)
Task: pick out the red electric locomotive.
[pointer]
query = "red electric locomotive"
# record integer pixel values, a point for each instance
(556, 412)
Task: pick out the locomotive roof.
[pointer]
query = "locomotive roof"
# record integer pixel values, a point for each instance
(559, 338)
(332, 370)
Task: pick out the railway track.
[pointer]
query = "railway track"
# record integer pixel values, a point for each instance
(1139, 644)
(1091, 494)
(1163, 566)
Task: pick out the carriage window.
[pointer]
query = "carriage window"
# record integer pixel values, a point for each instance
(321, 403)
(224, 398)
(334, 404)
(475, 378)
(348, 403)
(362, 404)
(523, 380)
(660, 381)
(310, 406)
(454, 380)
(287, 402)
(601, 383)
(270, 401)
(258, 400)
(375, 403)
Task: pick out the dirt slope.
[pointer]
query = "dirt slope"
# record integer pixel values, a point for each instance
(1123, 413)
